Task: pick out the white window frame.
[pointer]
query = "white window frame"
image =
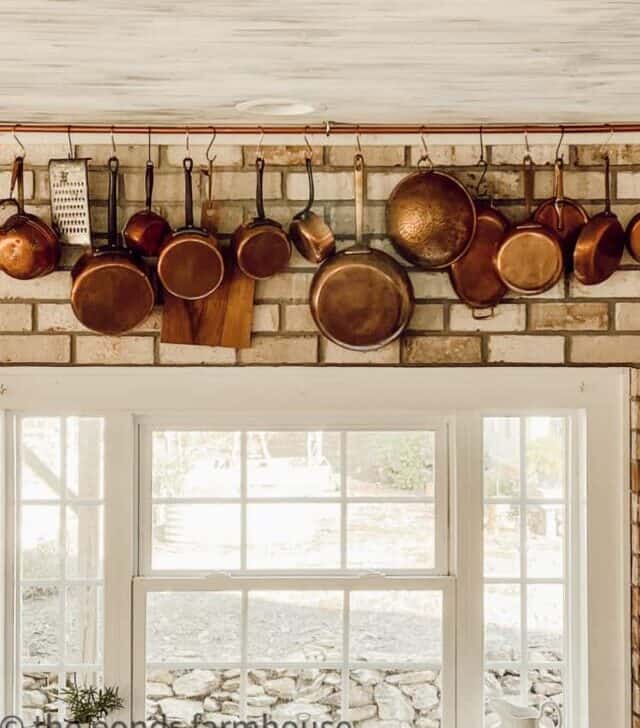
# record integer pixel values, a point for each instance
(596, 397)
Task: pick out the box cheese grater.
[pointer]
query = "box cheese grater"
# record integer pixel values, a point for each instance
(69, 190)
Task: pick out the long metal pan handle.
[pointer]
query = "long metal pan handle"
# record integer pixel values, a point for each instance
(114, 166)
(187, 165)
(358, 175)
(607, 184)
(259, 190)
(558, 191)
(148, 184)
(529, 172)
(309, 165)
(17, 176)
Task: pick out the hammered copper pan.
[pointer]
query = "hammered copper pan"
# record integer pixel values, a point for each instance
(530, 261)
(361, 299)
(600, 245)
(562, 215)
(431, 218)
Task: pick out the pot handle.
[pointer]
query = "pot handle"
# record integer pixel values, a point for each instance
(148, 184)
(551, 708)
(259, 189)
(607, 184)
(309, 165)
(187, 165)
(17, 175)
(529, 173)
(114, 166)
(358, 176)
(558, 191)
(483, 313)
(9, 201)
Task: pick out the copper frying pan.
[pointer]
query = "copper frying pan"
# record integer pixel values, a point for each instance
(562, 215)
(146, 230)
(361, 299)
(431, 217)
(601, 243)
(529, 261)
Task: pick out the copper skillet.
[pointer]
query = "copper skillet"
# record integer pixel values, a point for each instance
(431, 217)
(146, 230)
(562, 215)
(601, 242)
(529, 261)
(190, 265)
(361, 299)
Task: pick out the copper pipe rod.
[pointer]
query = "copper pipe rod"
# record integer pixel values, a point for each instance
(326, 128)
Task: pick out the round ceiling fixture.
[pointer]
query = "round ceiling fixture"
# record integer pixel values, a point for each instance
(275, 107)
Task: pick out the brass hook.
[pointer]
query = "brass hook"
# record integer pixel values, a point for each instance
(113, 143)
(358, 145)
(71, 150)
(210, 159)
(327, 128)
(527, 148)
(558, 157)
(425, 158)
(482, 162)
(23, 151)
(603, 147)
(259, 147)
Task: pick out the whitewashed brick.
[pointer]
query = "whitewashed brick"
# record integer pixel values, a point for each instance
(179, 354)
(99, 184)
(578, 185)
(381, 184)
(266, 317)
(441, 350)
(506, 317)
(590, 316)
(283, 156)
(226, 156)
(29, 184)
(15, 317)
(38, 155)
(341, 219)
(556, 292)
(242, 186)
(448, 154)
(328, 186)
(166, 187)
(281, 350)
(152, 324)
(55, 286)
(375, 156)
(628, 316)
(628, 185)
(526, 349)
(432, 285)
(514, 153)
(41, 211)
(297, 317)
(427, 317)
(57, 317)
(129, 155)
(35, 349)
(623, 349)
(114, 349)
(289, 286)
(505, 184)
(622, 284)
(620, 154)
(333, 354)
(229, 216)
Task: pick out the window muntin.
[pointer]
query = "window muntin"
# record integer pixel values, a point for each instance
(59, 557)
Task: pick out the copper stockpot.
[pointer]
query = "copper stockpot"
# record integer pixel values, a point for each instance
(431, 218)
(529, 261)
(29, 248)
(146, 230)
(190, 265)
(361, 299)
(600, 245)
(311, 235)
(262, 247)
(111, 291)
(562, 215)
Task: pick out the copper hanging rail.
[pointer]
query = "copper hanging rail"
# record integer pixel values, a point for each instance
(327, 128)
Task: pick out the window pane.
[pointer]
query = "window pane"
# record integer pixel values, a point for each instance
(40, 458)
(545, 541)
(546, 685)
(501, 457)
(390, 463)
(40, 542)
(391, 535)
(295, 626)
(196, 537)
(85, 543)
(84, 625)
(396, 626)
(38, 696)
(40, 615)
(85, 457)
(501, 541)
(502, 622)
(193, 627)
(545, 622)
(545, 457)
(196, 464)
(293, 464)
(293, 535)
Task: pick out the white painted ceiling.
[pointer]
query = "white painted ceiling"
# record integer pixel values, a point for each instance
(355, 60)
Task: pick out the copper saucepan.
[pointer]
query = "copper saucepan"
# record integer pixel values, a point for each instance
(29, 248)
(310, 234)
(431, 217)
(146, 230)
(600, 245)
(562, 215)
(111, 291)
(361, 299)
(190, 265)
(529, 261)
(261, 246)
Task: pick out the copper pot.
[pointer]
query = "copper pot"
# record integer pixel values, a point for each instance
(261, 246)
(431, 218)
(146, 230)
(29, 248)
(361, 299)
(190, 265)
(310, 234)
(111, 291)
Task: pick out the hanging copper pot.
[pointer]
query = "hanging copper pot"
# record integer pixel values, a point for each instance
(146, 230)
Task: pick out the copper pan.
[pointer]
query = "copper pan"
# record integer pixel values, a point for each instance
(361, 299)
(146, 230)
(601, 243)
(529, 261)
(632, 236)
(562, 215)
(431, 217)
(190, 265)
